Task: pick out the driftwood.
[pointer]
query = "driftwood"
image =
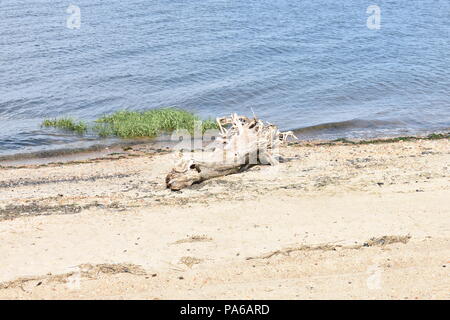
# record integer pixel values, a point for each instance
(243, 144)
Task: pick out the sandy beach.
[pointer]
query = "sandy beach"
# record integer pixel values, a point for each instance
(336, 221)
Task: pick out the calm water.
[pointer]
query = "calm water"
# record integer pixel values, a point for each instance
(300, 64)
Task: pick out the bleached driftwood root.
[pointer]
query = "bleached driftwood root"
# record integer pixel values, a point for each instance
(243, 143)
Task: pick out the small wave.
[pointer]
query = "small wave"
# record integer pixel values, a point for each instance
(348, 125)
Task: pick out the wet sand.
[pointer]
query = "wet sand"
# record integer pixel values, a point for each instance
(336, 221)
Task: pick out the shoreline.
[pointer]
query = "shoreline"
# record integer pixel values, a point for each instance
(328, 218)
(161, 143)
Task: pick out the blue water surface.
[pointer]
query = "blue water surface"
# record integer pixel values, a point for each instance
(310, 65)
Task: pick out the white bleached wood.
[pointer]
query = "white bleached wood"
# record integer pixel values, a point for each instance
(244, 143)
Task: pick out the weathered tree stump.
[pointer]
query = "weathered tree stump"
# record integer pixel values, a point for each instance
(243, 144)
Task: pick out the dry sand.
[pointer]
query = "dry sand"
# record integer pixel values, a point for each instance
(336, 221)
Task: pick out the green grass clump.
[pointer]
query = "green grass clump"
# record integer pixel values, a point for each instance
(131, 124)
(437, 136)
(134, 124)
(68, 124)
